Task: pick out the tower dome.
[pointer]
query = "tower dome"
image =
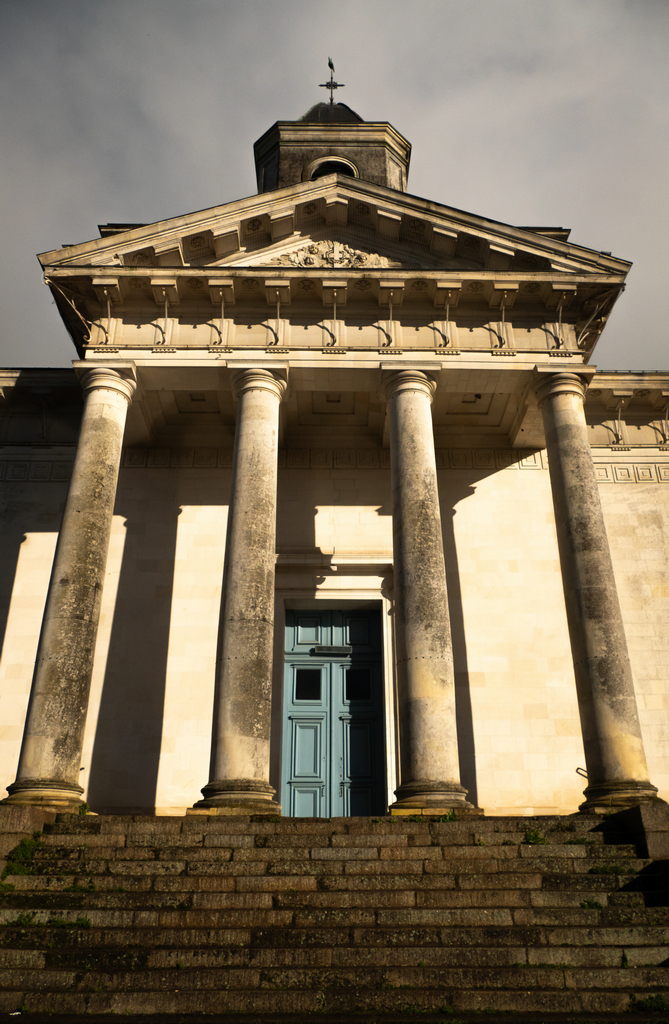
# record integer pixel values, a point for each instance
(330, 112)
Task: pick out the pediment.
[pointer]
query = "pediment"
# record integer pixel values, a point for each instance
(336, 222)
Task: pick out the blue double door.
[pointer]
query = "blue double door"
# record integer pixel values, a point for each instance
(333, 741)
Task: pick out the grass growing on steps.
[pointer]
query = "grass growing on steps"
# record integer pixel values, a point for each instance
(534, 837)
(653, 1003)
(19, 860)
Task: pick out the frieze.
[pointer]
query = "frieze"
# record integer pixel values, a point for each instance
(632, 472)
(331, 254)
(42, 471)
(333, 458)
(59, 471)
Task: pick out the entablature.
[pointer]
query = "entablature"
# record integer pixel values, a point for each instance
(354, 308)
(337, 404)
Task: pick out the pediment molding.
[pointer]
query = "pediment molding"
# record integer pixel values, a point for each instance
(277, 229)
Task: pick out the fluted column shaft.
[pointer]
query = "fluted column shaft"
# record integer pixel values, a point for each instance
(425, 674)
(614, 753)
(50, 759)
(239, 773)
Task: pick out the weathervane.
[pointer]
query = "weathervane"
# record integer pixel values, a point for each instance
(331, 85)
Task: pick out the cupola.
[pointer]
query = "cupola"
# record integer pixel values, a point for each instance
(331, 139)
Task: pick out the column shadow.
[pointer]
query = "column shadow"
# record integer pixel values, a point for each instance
(452, 490)
(48, 418)
(463, 703)
(125, 761)
(22, 514)
(13, 536)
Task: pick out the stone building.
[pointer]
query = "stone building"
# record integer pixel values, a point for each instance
(349, 521)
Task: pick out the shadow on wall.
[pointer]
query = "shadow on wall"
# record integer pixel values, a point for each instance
(297, 532)
(457, 492)
(14, 531)
(455, 487)
(127, 747)
(21, 518)
(126, 752)
(48, 418)
(303, 496)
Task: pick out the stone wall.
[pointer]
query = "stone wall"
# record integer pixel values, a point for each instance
(511, 645)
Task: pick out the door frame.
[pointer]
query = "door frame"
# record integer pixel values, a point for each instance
(333, 717)
(304, 599)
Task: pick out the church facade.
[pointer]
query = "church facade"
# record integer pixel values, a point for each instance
(333, 512)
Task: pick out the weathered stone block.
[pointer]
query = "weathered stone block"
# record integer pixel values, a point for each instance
(341, 900)
(524, 880)
(462, 918)
(367, 840)
(273, 883)
(307, 918)
(236, 900)
(388, 867)
(349, 854)
(306, 867)
(411, 853)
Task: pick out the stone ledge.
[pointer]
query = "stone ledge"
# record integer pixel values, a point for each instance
(437, 812)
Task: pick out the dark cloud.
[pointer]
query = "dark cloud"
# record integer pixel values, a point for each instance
(527, 112)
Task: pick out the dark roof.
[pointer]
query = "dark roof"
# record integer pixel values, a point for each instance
(334, 113)
(115, 229)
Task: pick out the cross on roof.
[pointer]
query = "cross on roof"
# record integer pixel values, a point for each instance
(331, 85)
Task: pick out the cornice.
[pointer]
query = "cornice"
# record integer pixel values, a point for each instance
(283, 211)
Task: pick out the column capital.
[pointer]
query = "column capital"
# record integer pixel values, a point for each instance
(105, 377)
(257, 379)
(546, 385)
(394, 382)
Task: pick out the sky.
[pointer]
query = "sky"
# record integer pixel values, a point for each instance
(544, 112)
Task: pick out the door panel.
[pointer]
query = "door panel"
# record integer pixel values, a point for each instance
(306, 802)
(308, 749)
(308, 630)
(306, 739)
(359, 744)
(359, 802)
(358, 631)
(334, 751)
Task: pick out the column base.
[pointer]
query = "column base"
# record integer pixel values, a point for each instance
(606, 796)
(238, 796)
(425, 794)
(51, 795)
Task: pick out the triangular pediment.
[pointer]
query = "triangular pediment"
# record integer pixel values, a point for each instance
(336, 222)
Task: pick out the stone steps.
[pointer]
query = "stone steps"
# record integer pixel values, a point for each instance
(230, 915)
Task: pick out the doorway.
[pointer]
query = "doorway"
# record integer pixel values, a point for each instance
(333, 739)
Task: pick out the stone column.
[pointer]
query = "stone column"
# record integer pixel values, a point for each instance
(239, 773)
(614, 754)
(425, 674)
(50, 760)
